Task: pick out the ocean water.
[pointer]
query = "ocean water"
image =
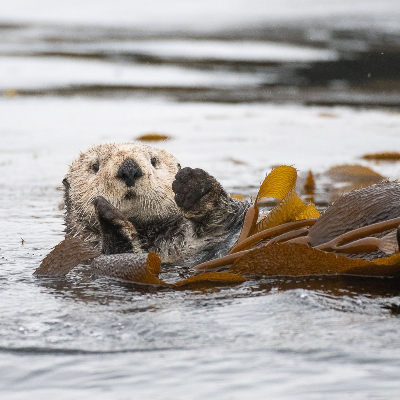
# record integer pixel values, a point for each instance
(236, 101)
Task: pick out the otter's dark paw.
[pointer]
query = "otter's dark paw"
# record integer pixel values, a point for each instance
(106, 211)
(190, 186)
(118, 235)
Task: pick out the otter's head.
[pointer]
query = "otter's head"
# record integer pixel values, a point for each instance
(133, 177)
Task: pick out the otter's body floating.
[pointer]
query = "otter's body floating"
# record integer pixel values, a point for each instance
(133, 198)
(130, 205)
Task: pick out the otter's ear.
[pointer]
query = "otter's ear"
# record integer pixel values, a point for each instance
(65, 183)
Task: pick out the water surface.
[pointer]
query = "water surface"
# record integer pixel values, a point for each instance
(236, 99)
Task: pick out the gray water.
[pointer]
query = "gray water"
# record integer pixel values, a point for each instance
(235, 101)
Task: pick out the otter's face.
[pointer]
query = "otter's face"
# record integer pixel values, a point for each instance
(133, 177)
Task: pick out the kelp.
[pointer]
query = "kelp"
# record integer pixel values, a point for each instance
(352, 242)
(65, 256)
(280, 184)
(309, 186)
(153, 137)
(272, 232)
(140, 268)
(379, 202)
(293, 259)
(384, 156)
(249, 223)
(291, 208)
(360, 240)
(340, 230)
(354, 173)
(209, 279)
(292, 240)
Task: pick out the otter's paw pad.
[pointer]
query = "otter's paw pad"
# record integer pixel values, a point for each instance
(106, 211)
(190, 186)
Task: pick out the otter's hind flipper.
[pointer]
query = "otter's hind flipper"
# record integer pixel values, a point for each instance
(65, 256)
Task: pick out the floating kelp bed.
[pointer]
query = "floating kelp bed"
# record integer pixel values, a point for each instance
(357, 235)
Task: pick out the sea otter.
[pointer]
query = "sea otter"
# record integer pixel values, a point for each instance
(125, 202)
(134, 198)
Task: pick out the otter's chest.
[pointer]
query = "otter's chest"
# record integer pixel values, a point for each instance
(172, 241)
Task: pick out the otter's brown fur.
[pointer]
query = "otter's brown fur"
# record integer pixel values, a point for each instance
(131, 197)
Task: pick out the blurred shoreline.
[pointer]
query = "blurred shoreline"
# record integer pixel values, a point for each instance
(314, 62)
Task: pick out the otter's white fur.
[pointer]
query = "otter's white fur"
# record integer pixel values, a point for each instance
(120, 198)
(94, 173)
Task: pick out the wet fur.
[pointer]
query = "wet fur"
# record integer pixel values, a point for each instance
(185, 215)
(151, 200)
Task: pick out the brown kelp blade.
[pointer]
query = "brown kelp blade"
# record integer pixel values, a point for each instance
(293, 259)
(208, 279)
(352, 242)
(360, 233)
(308, 212)
(354, 173)
(221, 263)
(133, 267)
(291, 208)
(276, 230)
(144, 269)
(278, 183)
(249, 223)
(301, 236)
(360, 246)
(153, 137)
(65, 256)
(385, 156)
(309, 185)
(241, 249)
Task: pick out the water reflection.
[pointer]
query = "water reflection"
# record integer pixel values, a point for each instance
(80, 286)
(312, 64)
(341, 285)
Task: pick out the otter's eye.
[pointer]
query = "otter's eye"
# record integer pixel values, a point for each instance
(153, 161)
(179, 167)
(95, 167)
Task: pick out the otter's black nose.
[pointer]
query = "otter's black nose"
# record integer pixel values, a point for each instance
(129, 171)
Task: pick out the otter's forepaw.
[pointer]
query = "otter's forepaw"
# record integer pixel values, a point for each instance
(106, 212)
(118, 235)
(190, 186)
